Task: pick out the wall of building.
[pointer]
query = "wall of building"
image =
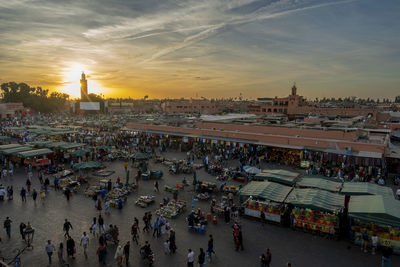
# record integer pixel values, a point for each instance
(190, 106)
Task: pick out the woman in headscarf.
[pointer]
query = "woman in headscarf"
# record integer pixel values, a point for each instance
(119, 254)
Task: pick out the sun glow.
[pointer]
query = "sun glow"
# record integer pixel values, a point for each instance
(71, 81)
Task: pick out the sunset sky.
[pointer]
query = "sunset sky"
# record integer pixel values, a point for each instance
(210, 48)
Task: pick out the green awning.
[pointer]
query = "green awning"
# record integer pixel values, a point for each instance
(34, 153)
(140, 156)
(333, 179)
(9, 146)
(103, 147)
(67, 146)
(266, 190)
(375, 208)
(39, 144)
(279, 176)
(54, 144)
(87, 165)
(80, 152)
(363, 188)
(14, 151)
(319, 183)
(315, 199)
(4, 137)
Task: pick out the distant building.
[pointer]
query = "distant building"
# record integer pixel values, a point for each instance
(190, 106)
(295, 106)
(10, 110)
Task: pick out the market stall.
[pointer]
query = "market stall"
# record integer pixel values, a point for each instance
(376, 214)
(172, 209)
(266, 197)
(316, 210)
(117, 195)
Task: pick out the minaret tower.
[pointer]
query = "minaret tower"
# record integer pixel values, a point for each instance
(84, 89)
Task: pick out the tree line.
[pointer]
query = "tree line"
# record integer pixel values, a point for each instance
(36, 98)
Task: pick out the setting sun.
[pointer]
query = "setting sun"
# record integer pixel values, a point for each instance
(71, 81)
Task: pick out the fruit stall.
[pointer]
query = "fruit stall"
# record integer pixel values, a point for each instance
(272, 211)
(315, 210)
(145, 201)
(266, 197)
(376, 214)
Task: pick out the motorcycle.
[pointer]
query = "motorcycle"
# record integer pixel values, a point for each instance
(147, 258)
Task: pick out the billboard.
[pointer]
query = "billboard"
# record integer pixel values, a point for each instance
(89, 105)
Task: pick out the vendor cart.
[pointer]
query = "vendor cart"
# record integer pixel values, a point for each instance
(156, 174)
(145, 201)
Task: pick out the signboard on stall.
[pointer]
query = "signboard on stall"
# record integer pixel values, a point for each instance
(268, 216)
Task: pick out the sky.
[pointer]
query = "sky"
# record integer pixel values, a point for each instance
(203, 48)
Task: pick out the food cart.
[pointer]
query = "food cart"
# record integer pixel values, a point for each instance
(172, 209)
(145, 201)
(271, 210)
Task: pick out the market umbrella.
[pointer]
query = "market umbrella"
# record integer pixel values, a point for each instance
(252, 170)
(140, 156)
(104, 173)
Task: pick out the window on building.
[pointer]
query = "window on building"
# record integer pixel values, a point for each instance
(264, 110)
(285, 110)
(274, 109)
(269, 110)
(280, 110)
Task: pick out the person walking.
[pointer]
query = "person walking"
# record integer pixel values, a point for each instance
(172, 245)
(84, 242)
(190, 258)
(101, 224)
(268, 258)
(134, 232)
(119, 253)
(22, 227)
(28, 185)
(102, 253)
(71, 247)
(156, 189)
(107, 206)
(155, 231)
(23, 194)
(7, 226)
(67, 226)
(60, 253)
(210, 247)
(50, 248)
(126, 253)
(34, 195)
(201, 258)
(93, 228)
(67, 193)
(10, 193)
(386, 253)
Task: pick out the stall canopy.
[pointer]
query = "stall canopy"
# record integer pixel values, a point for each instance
(266, 190)
(305, 182)
(333, 179)
(279, 176)
(4, 137)
(87, 165)
(14, 151)
(351, 189)
(9, 146)
(375, 208)
(140, 156)
(67, 146)
(80, 152)
(251, 170)
(315, 199)
(34, 153)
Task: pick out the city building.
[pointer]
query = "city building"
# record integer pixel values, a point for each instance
(10, 110)
(190, 106)
(296, 106)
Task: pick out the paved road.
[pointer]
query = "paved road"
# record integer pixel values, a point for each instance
(302, 249)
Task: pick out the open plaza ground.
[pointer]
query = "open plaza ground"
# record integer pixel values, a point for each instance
(47, 218)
